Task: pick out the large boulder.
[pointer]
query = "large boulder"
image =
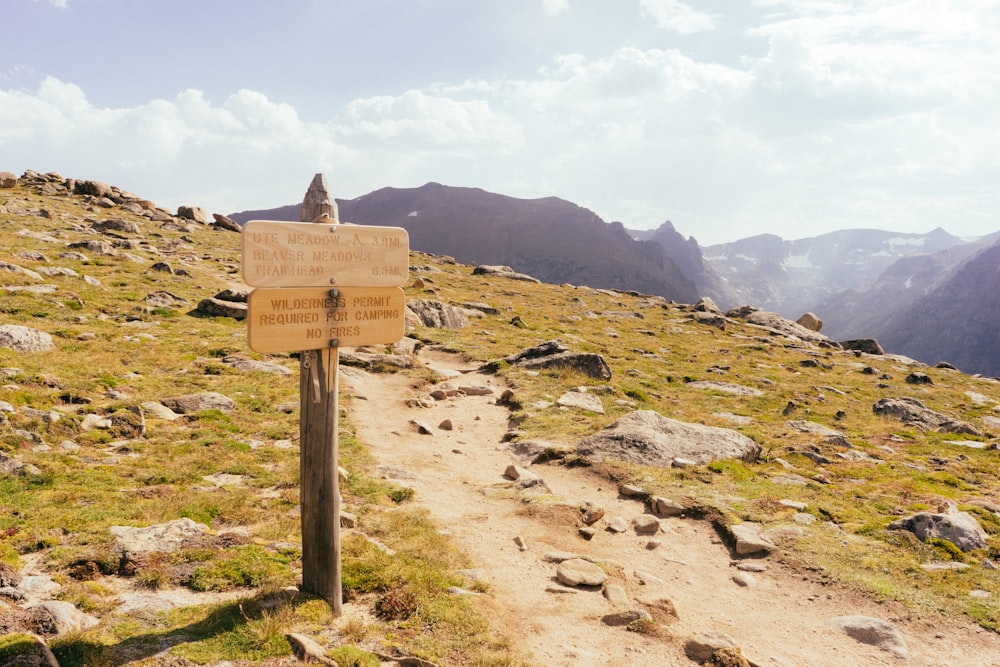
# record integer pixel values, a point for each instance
(7, 179)
(221, 308)
(776, 324)
(959, 528)
(225, 222)
(554, 354)
(190, 403)
(912, 412)
(195, 213)
(430, 313)
(502, 272)
(93, 188)
(648, 438)
(25, 339)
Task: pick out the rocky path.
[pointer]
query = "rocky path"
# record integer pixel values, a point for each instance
(684, 576)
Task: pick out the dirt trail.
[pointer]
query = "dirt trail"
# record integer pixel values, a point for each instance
(780, 620)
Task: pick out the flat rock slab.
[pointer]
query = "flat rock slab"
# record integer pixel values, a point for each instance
(580, 572)
(726, 388)
(579, 400)
(872, 631)
(25, 339)
(648, 438)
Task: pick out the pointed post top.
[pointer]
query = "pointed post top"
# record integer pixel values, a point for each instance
(318, 202)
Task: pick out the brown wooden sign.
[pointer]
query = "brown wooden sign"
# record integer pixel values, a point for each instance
(310, 318)
(296, 254)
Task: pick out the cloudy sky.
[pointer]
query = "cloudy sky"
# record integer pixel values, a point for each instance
(794, 117)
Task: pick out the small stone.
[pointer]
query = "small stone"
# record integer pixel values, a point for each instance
(664, 507)
(591, 514)
(620, 618)
(749, 540)
(646, 524)
(618, 525)
(631, 491)
(519, 541)
(615, 594)
(744, 580)
(446, 425)
(587, 533)
(422, 427)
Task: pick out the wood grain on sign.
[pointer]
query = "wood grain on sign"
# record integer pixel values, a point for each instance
(288, 319)
(295, 254)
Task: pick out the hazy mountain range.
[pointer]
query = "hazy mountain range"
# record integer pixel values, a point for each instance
(930, 296)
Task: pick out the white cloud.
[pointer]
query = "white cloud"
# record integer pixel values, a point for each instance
(676, 16)
(555, 7)
(61, 4)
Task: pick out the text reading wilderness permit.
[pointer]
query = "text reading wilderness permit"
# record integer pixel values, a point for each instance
(308, 318)
(302, 254)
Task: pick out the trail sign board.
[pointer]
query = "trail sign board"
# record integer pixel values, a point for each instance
(311, 318)
(297, 254)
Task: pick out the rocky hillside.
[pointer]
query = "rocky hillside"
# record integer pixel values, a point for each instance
(550, 238)
(707, 462)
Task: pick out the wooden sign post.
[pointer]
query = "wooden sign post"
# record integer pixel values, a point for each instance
(324, 286)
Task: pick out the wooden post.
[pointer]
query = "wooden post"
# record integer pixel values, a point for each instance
(319, 497)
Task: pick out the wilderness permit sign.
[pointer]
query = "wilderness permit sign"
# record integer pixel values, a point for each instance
(302, 254)
(312, 318)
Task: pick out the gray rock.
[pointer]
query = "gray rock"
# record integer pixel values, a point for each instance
(663, 507)
(7, 179)
(116, 225)
(648, 438)
(646, 524)
(914, 413)
(863, 346)
(308, 650)
(776, 324)
(872, 631)
(592, 365)
(580, 572)
(220, 308)
(195, 213)
(502, 272)
(725, 387)
(225, 222)
(620, 618)
(20, 270)
(576, 399)
(25, 339)
(615, 595)
(749, 540)
(959, 528)
(68, 618)
(165, 537)
(430, 313)
(814, 428)
(701, 647)
(251, 365)
(810, 321)
(197, 402)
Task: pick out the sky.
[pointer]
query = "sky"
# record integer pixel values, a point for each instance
(727, 118)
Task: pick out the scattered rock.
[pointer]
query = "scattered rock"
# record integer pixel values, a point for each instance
(615, 595)
(664, 507)
(919, 378)
(308, 650)
(7, 179)
(165, 537)
(872, 631)
(252, 365)
(914, 413)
